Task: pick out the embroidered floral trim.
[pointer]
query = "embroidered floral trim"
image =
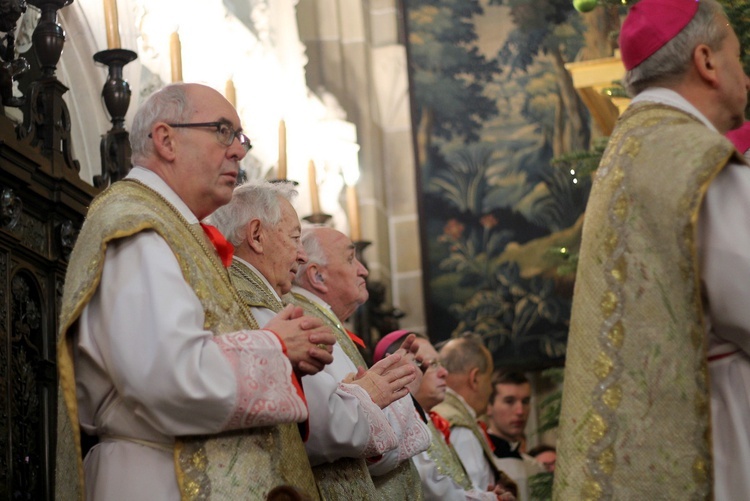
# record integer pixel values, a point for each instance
(265, 391)
(413, 435)
(382, 437)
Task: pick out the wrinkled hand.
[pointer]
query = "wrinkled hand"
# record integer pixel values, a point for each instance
(385, 381)
(408, 352)
(502, 493)
(309, 343)
(352, 376)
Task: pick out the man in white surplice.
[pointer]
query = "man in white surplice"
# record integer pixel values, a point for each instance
(333, 282)
(156, 336)
(346, 420)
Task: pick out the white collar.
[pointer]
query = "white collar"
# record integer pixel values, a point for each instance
(312, 297)
(672, 98)
(156, 183)
(461, 399)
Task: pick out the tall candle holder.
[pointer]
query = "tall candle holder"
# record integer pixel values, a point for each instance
(11, 67)
(318, 218)
(115, 145)
(49, 36)
(46, 121)
(359, 248)
(295, 183)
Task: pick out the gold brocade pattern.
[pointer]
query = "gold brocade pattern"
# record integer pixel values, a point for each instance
(401, 483)
(635, 418)
(446, 460)
(243, 464)
(456, 413)
(342, 338)
(253, 291)
(398, 480)
(346, 478)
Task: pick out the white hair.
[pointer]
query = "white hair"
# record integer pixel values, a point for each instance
(169, 104)
(252, 200)
(313, 249)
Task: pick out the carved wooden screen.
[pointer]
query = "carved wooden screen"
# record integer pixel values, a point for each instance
(39, 217)
(42, 206)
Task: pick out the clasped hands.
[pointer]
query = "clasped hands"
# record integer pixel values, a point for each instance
(391, 378)
(309, 343)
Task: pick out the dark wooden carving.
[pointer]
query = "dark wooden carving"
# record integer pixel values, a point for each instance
(42, 205)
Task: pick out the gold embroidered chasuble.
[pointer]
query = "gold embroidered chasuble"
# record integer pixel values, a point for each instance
(252, 289)
(240, 464)
(635, 420)
(457, 414)
(446, 459)
(403, 482)
(345, 478)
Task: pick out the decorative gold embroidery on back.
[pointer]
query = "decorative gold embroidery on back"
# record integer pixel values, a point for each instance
(634, 276)
(401, 483)
(446, 460)
(252, 289)
(124, 209)
(342, 338)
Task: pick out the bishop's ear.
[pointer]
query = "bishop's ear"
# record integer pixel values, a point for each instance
(163, 138)
(704, 61)
(254, 235)
(316, 278)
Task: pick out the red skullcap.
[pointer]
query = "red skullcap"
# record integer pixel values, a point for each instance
(651, 24)
(740, 137)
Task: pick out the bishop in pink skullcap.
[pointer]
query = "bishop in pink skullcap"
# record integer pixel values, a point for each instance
(740, 137)
(382, 347)
(650, 25)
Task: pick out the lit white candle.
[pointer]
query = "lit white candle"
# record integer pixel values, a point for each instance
(313, 180)
(230, 93)
(352, 207)
(111, 23)
(281, 174)
(175, 51)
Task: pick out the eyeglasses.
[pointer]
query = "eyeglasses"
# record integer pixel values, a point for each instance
(424, 365)
(225, 133)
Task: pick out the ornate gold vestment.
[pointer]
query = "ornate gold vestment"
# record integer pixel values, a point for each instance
(446, 460)
(456, 413)
(402, 482)
(241, 464)
(635, 420)
(345, 478)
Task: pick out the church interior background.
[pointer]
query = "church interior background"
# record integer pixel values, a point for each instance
(434, 133)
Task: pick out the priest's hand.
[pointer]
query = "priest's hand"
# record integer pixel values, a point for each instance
(386, 381)
(408, 352)
(309, 343)
(501, 493)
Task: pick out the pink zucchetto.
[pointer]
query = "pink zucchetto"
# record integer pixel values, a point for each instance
(651, 24)
(386, 342)
(740, 137)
